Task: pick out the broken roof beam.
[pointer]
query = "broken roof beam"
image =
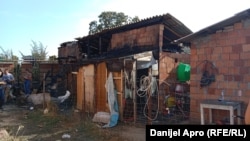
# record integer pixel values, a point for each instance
(165, 37)
(100, 45)
(178, 35)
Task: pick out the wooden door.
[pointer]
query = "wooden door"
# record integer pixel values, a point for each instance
(85, 88)
(101, 95)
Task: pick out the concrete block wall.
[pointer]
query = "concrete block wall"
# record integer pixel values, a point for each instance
(229, 50)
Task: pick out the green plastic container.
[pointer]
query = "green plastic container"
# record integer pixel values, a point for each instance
(183, 72)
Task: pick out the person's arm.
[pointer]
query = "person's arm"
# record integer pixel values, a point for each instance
(9, 79)
(30, 76)
(12, 78)
(5, 79)
(2, 83)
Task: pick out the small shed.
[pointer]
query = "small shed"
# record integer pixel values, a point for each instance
(131, 53)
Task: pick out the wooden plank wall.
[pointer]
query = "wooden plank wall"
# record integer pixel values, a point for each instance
(101, 94)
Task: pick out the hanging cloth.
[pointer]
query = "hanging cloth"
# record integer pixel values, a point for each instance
(112, 101)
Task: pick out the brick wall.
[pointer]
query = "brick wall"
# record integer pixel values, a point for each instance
(9, 65)
(43, 68)
(229, 50)
(146, 36)
(167, 72)
(69, 49)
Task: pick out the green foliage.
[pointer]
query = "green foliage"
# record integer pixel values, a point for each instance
(38, 50)
(52, 58)
(7, 55)
(110, 19)
(17, 72)
(36, 72)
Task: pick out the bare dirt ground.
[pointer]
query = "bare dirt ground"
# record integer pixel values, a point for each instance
(22, 124)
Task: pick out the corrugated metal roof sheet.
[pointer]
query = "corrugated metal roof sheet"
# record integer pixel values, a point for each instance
(166, 19)
(215, 27)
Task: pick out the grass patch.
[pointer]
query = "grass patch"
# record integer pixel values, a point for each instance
(94, 131)
(46, 122)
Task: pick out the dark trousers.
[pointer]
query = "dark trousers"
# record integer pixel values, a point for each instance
(27, 89)
(2, 97)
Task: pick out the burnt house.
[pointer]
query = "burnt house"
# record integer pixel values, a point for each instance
(132, 53)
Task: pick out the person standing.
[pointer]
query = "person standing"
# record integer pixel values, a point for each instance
(2, 97)
(27, 81)
(9, 80)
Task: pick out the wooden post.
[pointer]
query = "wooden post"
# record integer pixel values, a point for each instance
(43, 90)
(247, 113)
(84, 91)
(149, 98)
(134, 90)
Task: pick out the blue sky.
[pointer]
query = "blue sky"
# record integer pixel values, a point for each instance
(53, 22)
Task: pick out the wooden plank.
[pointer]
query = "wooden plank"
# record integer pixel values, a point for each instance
(101, 95)
(117, 78)
(80, 89)
(89, 88)
(121, 98)
(119, 93)
(118, 82)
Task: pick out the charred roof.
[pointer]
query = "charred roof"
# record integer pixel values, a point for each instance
(171, 24)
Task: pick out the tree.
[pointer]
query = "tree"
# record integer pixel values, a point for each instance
(52, 58)
(38, 51)
(7, 55)
(110, 19)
